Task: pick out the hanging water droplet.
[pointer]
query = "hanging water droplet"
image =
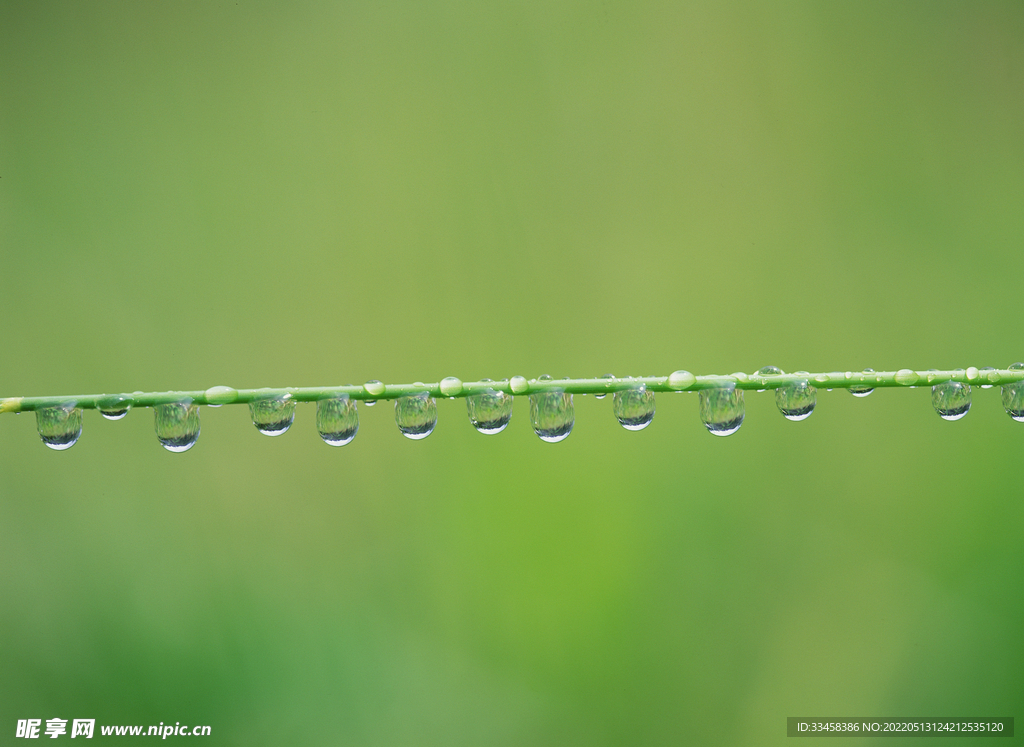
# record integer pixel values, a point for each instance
(602, 395)
(721, 409)
(489, 411)
(860, 390)
(634, 408)
(551, 414)
(273, 416)
(951, 399)
(680, 380)
(796, 401)
(987, 374)
(416, 415)
(115, 407)
(177, 425)
(369, 402)
(769, 371)
(337, 420)
(1013, 396)
(59, 427)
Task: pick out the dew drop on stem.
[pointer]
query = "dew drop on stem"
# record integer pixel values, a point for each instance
(177, 425)
(337, 420)
(490, 411)
(633, 408)
(59, 427)
(416, 415)
(551, 414)
(273, 416)
(721, 409)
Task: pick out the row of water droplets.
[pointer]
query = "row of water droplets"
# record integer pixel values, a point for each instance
(552, 413)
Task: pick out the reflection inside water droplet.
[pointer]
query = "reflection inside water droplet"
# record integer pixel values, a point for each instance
(1013, 396)
(796, 401)
(416, 415)
(721, 410)
(951, 399)
(114, 408)
(177, 425)
(552, 415)
(337, 420)
(59, 427)
(489, 412)
(633, 408)
(273, 416)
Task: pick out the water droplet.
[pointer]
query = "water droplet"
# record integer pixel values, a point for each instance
(369, 402)
(451, 386)
(860, 390)
(114, 407)
(1013, 396)
(680, 380)
(374, 387)
(988, 374)
(337, 420)
(273, 416)
(552, 415)
(796, 401)
(721, 410)
(822, 378)
(59, 427)
(951, 399)
(518, 384)
(602, 395)
(217, 396)
(177, 425)
(490, 411)
(416, 415)
(972, 374)
(634, 408)
(768, 371)
(906, 377)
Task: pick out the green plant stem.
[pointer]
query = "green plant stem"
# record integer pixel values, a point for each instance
(518, 385)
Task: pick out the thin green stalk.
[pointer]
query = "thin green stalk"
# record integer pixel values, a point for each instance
(679, 381)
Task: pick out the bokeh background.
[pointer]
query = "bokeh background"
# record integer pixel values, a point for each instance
(311, 193)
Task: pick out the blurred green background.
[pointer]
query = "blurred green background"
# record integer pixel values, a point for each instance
(313, 193)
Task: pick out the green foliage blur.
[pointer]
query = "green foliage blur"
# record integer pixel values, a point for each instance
(313, 193)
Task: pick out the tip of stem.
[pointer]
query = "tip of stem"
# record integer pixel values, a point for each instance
(11, 404)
